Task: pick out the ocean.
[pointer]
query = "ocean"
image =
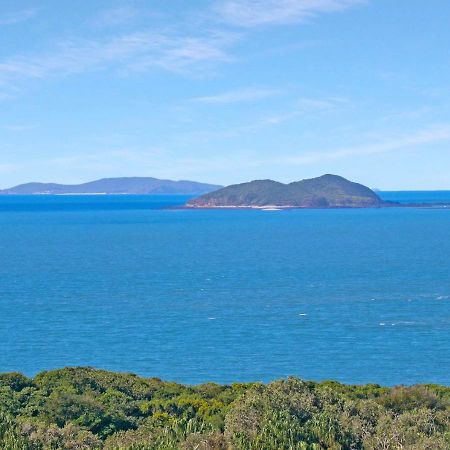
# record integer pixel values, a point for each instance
(131, 283)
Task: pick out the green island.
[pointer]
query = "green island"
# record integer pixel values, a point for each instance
(326, 191)
(85, 408)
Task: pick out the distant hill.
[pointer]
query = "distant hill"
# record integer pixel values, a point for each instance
(327, 191)
(130, 185)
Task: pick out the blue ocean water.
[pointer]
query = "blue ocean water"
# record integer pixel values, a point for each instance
(129, 283)
(416, 196)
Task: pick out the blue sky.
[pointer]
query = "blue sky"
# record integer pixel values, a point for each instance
(225, 91)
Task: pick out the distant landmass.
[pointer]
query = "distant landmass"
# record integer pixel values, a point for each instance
(327, 191)
(127, 185)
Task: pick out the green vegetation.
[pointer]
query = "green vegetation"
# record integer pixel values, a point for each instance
(82, 408)
(327, 191)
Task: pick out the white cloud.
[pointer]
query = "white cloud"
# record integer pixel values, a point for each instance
(251, 13)
(245, 162)
(131, 52)
(186, 54)
(430, 135)
(18, 128)
(156, 162)
(194, 52)
(321, 104)
(111, 160)
(8, 168)
(17, 16)
(119, 15)
(237, 96)
(307, 106)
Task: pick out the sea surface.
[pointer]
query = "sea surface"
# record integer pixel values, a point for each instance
(131, 283)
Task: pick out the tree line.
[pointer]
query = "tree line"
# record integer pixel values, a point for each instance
(84, 408)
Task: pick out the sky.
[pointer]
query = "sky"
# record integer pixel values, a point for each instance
(226, 91)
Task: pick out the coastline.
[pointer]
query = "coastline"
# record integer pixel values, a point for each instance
(290, 207)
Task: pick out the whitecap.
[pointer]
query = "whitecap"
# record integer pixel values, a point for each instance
(403, 322)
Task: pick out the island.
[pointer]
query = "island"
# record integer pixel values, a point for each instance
(326, 191)
(122, 185)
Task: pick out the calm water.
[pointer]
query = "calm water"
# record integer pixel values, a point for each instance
(124, 284)
(417, 196)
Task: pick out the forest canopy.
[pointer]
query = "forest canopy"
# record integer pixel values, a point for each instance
(84, 408)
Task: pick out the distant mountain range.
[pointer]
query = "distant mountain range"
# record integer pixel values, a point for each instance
(327, 191)
(130, 185)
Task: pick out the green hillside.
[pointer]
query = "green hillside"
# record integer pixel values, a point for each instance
(327, 191)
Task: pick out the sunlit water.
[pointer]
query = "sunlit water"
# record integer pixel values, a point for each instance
(126, 283)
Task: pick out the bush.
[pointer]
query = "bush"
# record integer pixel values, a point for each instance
(84, 408)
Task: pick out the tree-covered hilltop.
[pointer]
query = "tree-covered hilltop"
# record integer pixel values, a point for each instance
(83, 408)
(327, 191)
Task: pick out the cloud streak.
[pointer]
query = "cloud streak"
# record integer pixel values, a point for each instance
(119, 15)
(18, 128)
(15, 17)
(308, 106)
(430, 135)
(140, 51)
(188, 53)
(254, 13)
(238, 96)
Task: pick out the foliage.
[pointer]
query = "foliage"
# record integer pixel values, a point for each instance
(83, 408)
(327, 191)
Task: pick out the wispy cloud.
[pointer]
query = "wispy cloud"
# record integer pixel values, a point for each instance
(18, 128)
(156, 161)
(308, 106)
(188, 55)
(118, 15)
(17, 16)
(321, 104)
(430, 135)
(238, 96)
(297, 109)
(131, 52)
(187, 50)
(112, 162)
(8, 168)
(251, 13)
(246, 161)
